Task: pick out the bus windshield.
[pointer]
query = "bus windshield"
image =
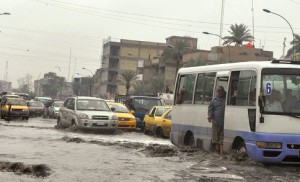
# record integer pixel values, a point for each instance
(281, 90)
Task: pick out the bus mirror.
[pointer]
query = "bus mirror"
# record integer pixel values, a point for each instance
(261, 102)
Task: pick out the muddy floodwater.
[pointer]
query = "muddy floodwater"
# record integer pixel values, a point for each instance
(36, 151)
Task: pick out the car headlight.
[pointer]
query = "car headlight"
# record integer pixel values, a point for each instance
(114, 117)
(133, 119)
(25, 110)
(83, 116)
(269, 145)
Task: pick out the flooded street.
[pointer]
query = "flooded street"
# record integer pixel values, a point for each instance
(35, 151)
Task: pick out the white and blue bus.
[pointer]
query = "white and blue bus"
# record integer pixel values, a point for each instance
(267, 135)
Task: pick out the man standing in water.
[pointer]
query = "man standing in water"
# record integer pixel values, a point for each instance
(216, 110)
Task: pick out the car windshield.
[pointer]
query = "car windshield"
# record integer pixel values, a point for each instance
(146, 103)
(35, 104)
(16, 102)
(119, 108)
(58, 104)
(92, 104)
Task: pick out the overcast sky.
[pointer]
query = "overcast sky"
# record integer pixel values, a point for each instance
(44, 35)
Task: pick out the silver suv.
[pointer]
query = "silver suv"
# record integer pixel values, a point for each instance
(86, 112)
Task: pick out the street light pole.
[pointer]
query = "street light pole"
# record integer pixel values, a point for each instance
(207, 33)
(293, 48)
(90, 80)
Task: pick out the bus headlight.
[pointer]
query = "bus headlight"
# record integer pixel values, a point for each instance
(269, 145)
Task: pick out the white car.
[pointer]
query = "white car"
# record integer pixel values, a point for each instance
(54, 109)
(87, 112)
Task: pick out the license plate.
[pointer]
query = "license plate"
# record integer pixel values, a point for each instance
(122, 122)
(100, 122)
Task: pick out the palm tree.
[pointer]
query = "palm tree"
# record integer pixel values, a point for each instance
(156, 84)
(239, 34)
(176, 51)
(138, 88)
(128, 77)
(296, 43)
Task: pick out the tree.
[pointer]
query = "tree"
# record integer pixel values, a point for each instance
(53, 84)
(178, 49)
(239, 34)
(296, 43)
(157, 84)
(128, 77)
(25, 84)
(138, 88)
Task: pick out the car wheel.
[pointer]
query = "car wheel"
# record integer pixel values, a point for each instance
(144, 129)
(73, 126)
(159, 132)
(59, 125)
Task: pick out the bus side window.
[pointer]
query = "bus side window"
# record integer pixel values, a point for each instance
(184, 93)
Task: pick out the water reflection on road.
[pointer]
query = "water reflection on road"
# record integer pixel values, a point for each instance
(125, 156)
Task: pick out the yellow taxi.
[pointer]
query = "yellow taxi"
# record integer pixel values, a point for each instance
(153, 119)
(162, 125)
(126, 120)
(13, 108)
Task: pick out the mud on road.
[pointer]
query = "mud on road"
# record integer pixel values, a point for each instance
(125, 156)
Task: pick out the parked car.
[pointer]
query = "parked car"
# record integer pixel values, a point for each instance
(151, 117)
(141, 105)
(125, 117)
(54, 108)
(35, 108)
(87, 112)
(14, 108)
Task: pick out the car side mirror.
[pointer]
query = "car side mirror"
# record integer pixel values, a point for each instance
(112, 109)
(132, 111)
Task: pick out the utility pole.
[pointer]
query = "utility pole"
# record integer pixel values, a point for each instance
(69, 64)
(221, 22)
(6, 71)
(253, 23)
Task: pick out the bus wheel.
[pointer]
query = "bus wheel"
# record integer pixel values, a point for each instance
(189, 140)
(242, 151)
(159, 132)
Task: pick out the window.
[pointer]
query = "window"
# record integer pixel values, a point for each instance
(184, 93)
(204, 88)
(244, 82)
(169, 115)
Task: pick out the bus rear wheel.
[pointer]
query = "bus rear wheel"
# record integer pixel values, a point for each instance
(189, 140)
(159, 132)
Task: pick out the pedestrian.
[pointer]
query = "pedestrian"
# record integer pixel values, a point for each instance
(216, 110)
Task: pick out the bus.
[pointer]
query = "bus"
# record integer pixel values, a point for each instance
(264, 134)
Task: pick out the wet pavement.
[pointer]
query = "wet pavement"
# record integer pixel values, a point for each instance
(36, 151)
